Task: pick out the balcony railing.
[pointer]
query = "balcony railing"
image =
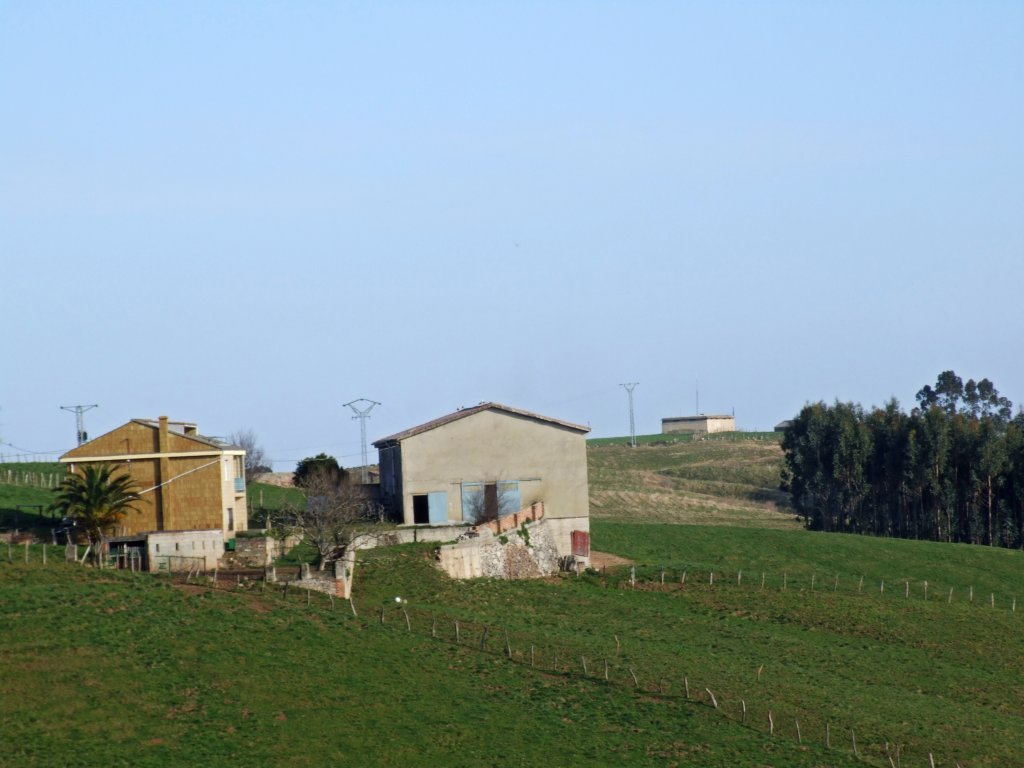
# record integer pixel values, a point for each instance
(239, 485)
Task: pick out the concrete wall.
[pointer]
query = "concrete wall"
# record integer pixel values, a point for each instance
(707, 424)
(548, 461)
(184, 550)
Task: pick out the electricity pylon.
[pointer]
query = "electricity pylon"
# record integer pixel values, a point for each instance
(79, 411)
(363, 413)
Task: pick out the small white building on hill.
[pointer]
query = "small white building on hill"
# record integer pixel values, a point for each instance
(702, 423)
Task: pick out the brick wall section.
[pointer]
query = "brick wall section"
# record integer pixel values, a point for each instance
(531, 514)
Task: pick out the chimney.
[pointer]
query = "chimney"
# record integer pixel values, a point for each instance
(162, 444)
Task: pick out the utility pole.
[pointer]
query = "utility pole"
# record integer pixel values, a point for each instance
(79, 411)
(632, 424)
(362, 412)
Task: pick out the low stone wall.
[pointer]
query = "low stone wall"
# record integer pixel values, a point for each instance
(337, 581)
(409, 535)
(523, 553)
(262, 550)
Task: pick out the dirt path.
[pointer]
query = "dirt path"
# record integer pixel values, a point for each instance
(606, 560)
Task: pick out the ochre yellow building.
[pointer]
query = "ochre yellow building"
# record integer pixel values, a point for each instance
(188, 482)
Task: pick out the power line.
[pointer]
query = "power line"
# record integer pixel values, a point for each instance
(362, 413)
(632, 425)
(79, 411)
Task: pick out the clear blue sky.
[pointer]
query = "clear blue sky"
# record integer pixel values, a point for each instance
(248, 214)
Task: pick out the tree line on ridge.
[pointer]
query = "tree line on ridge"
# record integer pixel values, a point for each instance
(950, 470)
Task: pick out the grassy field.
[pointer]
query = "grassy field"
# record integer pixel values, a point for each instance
(102, 666)
(891, 642)
(730, 480)
(105, 669)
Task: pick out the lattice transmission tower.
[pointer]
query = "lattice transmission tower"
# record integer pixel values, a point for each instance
(79, 411)
(362, 412)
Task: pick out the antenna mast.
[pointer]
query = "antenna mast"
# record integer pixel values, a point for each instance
(79, 411)
(632, 425)
(362, 412)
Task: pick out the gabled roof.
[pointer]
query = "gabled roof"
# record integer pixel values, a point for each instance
(464, 412)
(178, 428)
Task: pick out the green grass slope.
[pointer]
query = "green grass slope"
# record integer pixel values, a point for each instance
(717, 481)
(107, 669)
(909, 646)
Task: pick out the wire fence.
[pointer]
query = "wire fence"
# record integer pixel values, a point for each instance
(755, 708)
(672, 578)
(29, 478)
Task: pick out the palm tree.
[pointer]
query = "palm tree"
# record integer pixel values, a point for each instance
(96, 499)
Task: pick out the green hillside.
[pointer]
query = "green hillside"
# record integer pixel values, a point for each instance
(106, 669)
(730, 479)
(913, 649)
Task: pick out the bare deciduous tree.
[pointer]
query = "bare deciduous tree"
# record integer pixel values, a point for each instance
(335, 511)
(255, 457)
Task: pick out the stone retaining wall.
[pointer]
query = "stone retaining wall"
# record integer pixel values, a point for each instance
(523, 553)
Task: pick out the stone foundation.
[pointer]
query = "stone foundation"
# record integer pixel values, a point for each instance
(525, 552)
